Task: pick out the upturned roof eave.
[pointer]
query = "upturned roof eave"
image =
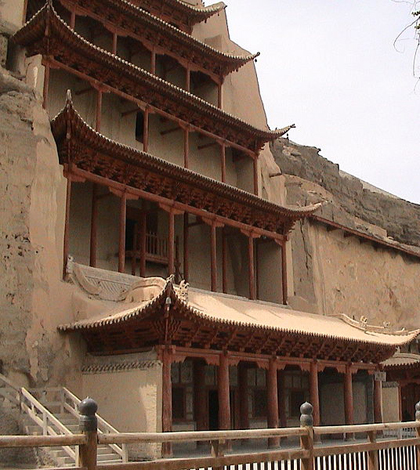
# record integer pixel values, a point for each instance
(69, 117)
(35, 31)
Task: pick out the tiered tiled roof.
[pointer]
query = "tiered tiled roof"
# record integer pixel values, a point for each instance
(183, 14)
(90, 151)
(156, 33)
(47, 34)
(216, 321)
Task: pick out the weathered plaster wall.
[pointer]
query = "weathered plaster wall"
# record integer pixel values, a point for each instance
(139, 408)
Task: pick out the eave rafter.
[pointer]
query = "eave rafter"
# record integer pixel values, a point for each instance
(157, 35)
(47, 34)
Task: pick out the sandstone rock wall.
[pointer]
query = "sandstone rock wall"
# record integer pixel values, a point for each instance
(33, 300)
(401, 219)
(336, 272)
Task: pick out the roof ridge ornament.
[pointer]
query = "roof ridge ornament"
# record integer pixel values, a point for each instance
(183, 290)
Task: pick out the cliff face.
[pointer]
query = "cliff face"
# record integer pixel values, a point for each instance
(334, 272)
(399, 218)
(31, 185)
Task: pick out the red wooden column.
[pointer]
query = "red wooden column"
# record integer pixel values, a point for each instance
(200, 409)
(377, 401)
(121, 250)
(284, 271)
(66, 242)
(146, 115)
(47, 71)
(251, 263)
(188, 78)
(166, 398)
(220, 94)
(213, 242)
(72, 19)
(243, 396)
(186, 246)
(114, 43)
(282, 399)
(98, 110)
(94, 225)
(223, 162)
(171, 242)
(186, 147)
(153, 62)
(255, 169)
(272, 402)
(224, 261)
(223, 392)
(314, 392)
(143, 229)
(348, 398)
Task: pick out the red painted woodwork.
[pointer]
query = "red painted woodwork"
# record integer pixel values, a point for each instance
(47, 70)
(200, 398)
(94, 226)
(282, 399)
(73, 19)
(223, 392)
(377, 401)
(186, 147)
(255, 169)
(171, 242)
(284, 285)
(166, 398)
(223, 162)
(213, 243)
(146, 129)
(153, 62)
(98, 110)
(220, 95)
(243, 395)
(251, 268)
(224, 261)
(114, 43)
(314, 392)
(348, 397)
(66, 242)
(143, 238)
(272, 402)
(186, 247)
(123, 217)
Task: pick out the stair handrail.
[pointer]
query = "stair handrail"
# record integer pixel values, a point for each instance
(6, 394)
(103, 426)
(47, 419)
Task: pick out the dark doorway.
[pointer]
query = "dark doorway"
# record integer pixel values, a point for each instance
(213, 410)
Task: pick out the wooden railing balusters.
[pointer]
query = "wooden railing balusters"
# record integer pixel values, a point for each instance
(307, 441)
(88, 425)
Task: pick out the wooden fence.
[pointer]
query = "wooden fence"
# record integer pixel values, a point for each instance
(371, 451)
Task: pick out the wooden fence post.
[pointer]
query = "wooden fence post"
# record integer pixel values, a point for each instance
(88, 425)
(307, 441)
(373, 455)
(418, 434)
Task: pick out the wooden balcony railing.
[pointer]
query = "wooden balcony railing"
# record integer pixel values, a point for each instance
(371, 452)
(155, 251)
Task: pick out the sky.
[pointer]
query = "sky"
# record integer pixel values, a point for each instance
(331, 67)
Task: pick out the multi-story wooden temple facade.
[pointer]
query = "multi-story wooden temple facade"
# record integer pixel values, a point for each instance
(164, 183)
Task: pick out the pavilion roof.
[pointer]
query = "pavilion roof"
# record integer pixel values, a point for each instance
(402, 360)
(88, 150)
(47, 34)
(157, 34)
(209, 320)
